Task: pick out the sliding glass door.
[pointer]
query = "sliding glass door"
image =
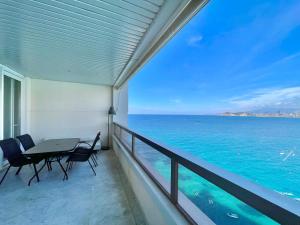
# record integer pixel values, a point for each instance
(12, 107)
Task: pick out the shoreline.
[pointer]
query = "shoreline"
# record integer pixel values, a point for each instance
(265, 116)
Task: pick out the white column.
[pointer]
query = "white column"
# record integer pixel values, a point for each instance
(1, 113)
(120, 102)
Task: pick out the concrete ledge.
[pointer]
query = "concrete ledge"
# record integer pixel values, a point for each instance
(157, 208)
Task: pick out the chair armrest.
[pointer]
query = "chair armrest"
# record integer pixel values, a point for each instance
(83, 142)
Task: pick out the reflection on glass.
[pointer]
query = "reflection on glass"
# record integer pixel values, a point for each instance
(221, 207)
(12, 107)
(158, 164)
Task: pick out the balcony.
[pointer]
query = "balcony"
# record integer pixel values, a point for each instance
(63, 64)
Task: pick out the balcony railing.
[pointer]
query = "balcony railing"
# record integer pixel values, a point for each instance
(273, 205)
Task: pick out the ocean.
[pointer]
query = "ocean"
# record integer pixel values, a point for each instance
(263, 150)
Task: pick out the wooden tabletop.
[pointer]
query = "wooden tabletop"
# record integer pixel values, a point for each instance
(53, 145)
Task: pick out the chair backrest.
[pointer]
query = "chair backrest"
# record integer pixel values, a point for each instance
(26, 141)
(11, 149)
(97, 138)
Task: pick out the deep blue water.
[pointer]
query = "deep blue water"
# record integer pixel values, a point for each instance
(264, 150)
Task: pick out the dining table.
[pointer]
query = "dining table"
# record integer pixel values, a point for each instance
(54, 150)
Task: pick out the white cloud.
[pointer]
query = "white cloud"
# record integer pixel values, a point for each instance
(280, 98)
(194, 40)
(261, 72)
(176, 101)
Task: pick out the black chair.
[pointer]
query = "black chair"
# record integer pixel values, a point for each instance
(28, 143)
(83, 150)
(81, 154)
(13, 154)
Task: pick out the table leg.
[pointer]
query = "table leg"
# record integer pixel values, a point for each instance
(62, 168)
(49, 164)
(36, 173)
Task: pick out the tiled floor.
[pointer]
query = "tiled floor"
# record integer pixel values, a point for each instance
(84, 199)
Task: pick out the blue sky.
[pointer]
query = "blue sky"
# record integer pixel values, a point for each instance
(243, 56)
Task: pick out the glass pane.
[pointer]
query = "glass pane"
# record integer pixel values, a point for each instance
(17, 108)
(221, 207)
(117, 130)
(12, 107)
(7, 115)
(126, 138)
(158, 164)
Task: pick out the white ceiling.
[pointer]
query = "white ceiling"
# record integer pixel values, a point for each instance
(86, 41)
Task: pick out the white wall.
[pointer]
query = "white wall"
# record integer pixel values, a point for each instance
(26, 105)
(63, 109)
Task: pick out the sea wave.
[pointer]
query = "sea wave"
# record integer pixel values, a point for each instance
(285, 193)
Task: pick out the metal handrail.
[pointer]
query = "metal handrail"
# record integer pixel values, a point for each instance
(280, 208)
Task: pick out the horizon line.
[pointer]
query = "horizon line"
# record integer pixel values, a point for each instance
(175, 114)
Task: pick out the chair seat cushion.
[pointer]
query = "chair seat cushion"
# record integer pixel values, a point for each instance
(82, 150)
(78, 157)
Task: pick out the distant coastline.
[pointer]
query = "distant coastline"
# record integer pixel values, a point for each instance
(264, 115)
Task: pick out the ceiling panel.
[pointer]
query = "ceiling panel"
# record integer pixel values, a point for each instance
(86, 41)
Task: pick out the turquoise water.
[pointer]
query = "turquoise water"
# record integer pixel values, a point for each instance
(264, 150)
